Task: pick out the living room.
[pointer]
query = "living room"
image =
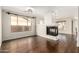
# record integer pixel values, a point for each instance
(39, 29)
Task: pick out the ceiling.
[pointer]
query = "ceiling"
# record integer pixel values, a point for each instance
(21, 9)
(42, 10)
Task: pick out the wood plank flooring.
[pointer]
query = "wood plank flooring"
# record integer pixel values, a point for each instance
(37, 44)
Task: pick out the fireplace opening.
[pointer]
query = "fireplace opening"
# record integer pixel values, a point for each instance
(52, 30)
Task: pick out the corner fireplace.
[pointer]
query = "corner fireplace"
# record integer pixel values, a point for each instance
(52, 30)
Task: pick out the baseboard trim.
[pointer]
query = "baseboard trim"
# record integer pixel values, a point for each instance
(19, 38)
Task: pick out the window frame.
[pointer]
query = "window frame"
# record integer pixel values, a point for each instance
(23, 26)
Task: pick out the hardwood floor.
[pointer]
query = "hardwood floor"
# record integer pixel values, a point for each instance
(37, 44)
(78, 49)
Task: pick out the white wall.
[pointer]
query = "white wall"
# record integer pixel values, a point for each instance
(60, 12)
(78, 30)
(66, 11)
(67, 26)
(7, 35)
(47, 21)
(0, 26)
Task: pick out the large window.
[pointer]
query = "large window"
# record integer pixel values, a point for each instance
(20, 24)
(61, 25)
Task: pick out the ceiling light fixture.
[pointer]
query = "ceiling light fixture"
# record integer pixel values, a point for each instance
(29, 10)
